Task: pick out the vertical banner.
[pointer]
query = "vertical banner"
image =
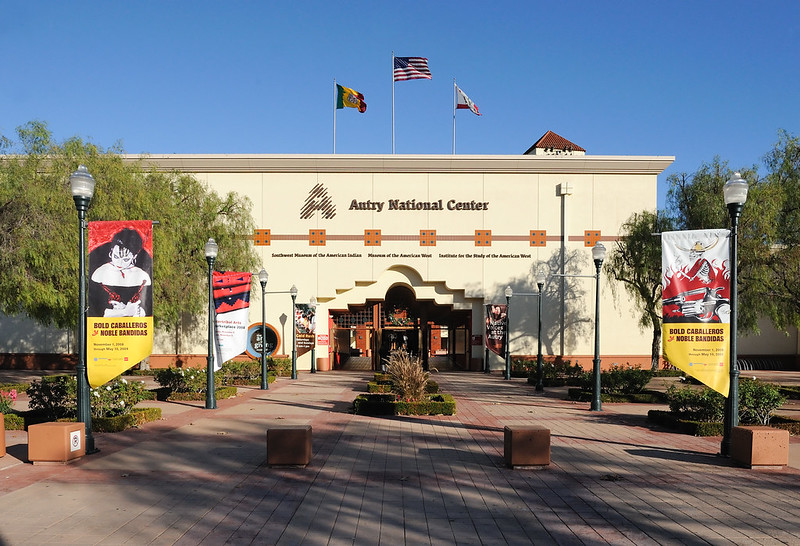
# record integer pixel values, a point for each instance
(231, 314)
(696, 304)
(496, 328)
(305, 322)
(119, 321)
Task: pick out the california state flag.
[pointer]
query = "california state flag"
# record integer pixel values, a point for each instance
(464, 102)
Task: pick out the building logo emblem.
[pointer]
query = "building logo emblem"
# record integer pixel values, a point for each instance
(318, 200)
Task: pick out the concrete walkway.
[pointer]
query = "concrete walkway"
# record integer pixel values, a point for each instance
(198, 477)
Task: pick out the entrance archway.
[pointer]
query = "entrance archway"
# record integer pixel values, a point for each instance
(425, 319)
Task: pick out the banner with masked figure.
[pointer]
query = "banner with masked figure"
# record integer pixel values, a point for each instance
(305, 324)
(232, 311)
(119, 320)
(696, 304)
(496, 315)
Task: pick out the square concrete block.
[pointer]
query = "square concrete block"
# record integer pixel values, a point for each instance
(760, 446)
(289, 445)
(526, 445)
(56, 442)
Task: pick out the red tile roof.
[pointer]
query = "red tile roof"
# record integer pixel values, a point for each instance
(552, 140)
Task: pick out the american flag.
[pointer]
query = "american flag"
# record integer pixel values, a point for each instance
(411, 68)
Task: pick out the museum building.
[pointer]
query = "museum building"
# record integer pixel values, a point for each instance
(407, 251)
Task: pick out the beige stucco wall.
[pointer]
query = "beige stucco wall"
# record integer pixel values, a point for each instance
(520, 195)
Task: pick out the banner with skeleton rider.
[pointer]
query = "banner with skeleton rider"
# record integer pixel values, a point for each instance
(496, 315)
(696, 304)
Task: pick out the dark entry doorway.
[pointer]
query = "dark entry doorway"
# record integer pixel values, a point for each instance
(364, 336)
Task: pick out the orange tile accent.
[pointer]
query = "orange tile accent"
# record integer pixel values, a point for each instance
(590, 238)
(427, 237)
(538, 238)
(261, 237)
(483, 237)
(372, 237)
(317, 237)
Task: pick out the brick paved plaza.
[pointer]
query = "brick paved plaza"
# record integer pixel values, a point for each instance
(199, 477)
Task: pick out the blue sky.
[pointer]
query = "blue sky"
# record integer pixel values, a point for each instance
(684, 78)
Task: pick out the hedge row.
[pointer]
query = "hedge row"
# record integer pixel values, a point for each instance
(220, 393)
(699, 428)
(137, 417)
(645, 397)
(387, 404)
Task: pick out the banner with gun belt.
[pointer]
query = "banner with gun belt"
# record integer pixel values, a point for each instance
(696, 310)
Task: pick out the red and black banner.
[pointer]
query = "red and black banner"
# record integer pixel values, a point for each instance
(232, 310)
(496, 328)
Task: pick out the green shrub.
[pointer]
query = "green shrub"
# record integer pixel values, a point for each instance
(377, 388)
(388, 404)
(522, 367)
(625, 379)
(409, 380)
(618, 380)
(219, 393)
(13, 421)
(281, 366)
(117, 397)
(117, 423)
(645, 397)
(19, 387)
(246, 372)
(691, 403)
(185, 379)
(54, 396)
(757, 401)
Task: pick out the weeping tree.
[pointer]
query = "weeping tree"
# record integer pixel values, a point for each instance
(769, 240)
(635, 261)
(39, 232)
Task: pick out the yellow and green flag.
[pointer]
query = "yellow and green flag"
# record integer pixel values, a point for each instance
(346, 97)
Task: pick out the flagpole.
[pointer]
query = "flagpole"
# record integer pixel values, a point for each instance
(455, 101)
(334, 115)
(393, 102)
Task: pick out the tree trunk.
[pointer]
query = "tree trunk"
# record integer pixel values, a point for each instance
(655, 350)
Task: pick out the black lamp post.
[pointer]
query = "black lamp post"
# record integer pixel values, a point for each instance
(211, 250)
(293, 292)
(539, 370)
(82, 186)
(313, 304)
(509, 293)
(262, 278)
(735, 194)
(598, 255)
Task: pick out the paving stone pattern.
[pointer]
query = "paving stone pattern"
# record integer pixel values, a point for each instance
(199, 477)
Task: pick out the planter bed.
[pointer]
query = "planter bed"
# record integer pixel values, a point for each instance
(382, 387)
(701, 428)
(220, 393)
(644, 397)
(137, 416)
(387, 404)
